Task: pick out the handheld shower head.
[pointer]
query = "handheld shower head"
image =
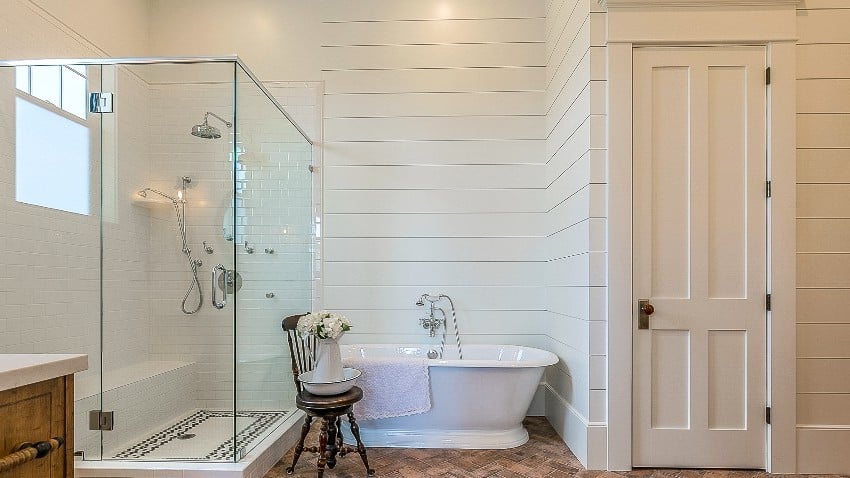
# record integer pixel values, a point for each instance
(207, 131)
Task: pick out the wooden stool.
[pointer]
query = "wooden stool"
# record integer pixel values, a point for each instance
(330, 409)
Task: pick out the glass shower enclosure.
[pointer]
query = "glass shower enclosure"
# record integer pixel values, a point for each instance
(177, 199)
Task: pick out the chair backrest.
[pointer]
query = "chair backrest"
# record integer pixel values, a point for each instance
(300, 348)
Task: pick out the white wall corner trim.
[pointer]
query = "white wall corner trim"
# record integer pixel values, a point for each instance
(634, 23)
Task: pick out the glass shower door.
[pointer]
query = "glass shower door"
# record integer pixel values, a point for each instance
(168, 367)
(274, 235)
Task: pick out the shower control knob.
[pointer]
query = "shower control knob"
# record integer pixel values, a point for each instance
(269, 295)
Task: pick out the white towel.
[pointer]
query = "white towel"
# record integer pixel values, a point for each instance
(391, 387)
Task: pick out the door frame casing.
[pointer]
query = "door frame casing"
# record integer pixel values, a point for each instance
(770, 23)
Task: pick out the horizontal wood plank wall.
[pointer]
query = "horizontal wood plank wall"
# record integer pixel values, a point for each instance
(823, 236)
(575, 227)
(434, 176)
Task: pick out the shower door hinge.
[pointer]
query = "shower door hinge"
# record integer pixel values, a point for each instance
(767, 76)
(767, 302)
(100, 102)
(767, 415)
(767, 188)
(100, 420)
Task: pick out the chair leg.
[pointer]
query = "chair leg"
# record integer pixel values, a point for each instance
(333, 433)
(323, 448)
(340, 446)
(355, 430)
(305, 428)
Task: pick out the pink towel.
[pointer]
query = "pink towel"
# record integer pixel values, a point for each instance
(391, 387)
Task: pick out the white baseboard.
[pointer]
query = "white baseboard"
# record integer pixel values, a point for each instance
(823, 450)
(587, 440)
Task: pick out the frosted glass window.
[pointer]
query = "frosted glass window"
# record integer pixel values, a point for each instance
(52, 159)
(74, 97)
(22, 78)
(46, 83)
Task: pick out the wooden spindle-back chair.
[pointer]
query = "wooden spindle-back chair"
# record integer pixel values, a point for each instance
(329, 408)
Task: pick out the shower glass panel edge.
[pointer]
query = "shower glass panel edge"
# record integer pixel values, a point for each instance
(273, 228)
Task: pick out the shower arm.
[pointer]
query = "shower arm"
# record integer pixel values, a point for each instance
(143, 193)
(210, 113)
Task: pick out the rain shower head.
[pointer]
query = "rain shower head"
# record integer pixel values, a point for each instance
(207, 131)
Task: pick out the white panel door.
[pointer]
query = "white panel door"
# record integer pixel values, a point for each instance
(700, 256)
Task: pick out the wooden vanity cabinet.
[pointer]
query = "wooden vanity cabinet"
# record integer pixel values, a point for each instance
(34, 413)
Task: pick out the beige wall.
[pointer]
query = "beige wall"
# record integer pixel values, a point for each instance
(277, 39)
(118, 28)
(823, 236)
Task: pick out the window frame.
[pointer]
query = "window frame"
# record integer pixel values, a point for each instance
(90, 122)
(60, 109)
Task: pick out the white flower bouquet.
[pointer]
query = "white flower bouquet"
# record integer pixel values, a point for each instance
(324, 325)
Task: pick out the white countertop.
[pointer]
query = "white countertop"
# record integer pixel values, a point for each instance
(17, 370)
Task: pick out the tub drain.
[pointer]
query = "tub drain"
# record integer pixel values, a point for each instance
(185, 436)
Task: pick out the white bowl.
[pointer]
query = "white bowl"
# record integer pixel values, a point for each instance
(349, 378)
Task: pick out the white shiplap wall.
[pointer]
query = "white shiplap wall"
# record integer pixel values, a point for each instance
(823, 236)
(434, 178)
(575, 226)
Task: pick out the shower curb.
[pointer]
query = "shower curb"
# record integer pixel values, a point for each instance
(255, 464)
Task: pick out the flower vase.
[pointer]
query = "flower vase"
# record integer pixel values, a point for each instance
(328, 366)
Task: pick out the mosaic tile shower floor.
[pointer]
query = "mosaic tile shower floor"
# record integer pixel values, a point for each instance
(205, 435)
(545, 455)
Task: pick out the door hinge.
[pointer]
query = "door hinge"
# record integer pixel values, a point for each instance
(767, 76)
(768, 190)
(767, 415)
(767, 302)
(100, 420)
(100, 102)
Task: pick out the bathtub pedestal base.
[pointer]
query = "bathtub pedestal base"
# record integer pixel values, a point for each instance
(464, 439)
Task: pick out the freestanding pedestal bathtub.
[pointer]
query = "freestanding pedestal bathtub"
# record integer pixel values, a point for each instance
(477, 402)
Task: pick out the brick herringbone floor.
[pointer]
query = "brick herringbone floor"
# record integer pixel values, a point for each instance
(545, 455)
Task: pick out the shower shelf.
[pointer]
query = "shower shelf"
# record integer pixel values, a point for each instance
(151, 201)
